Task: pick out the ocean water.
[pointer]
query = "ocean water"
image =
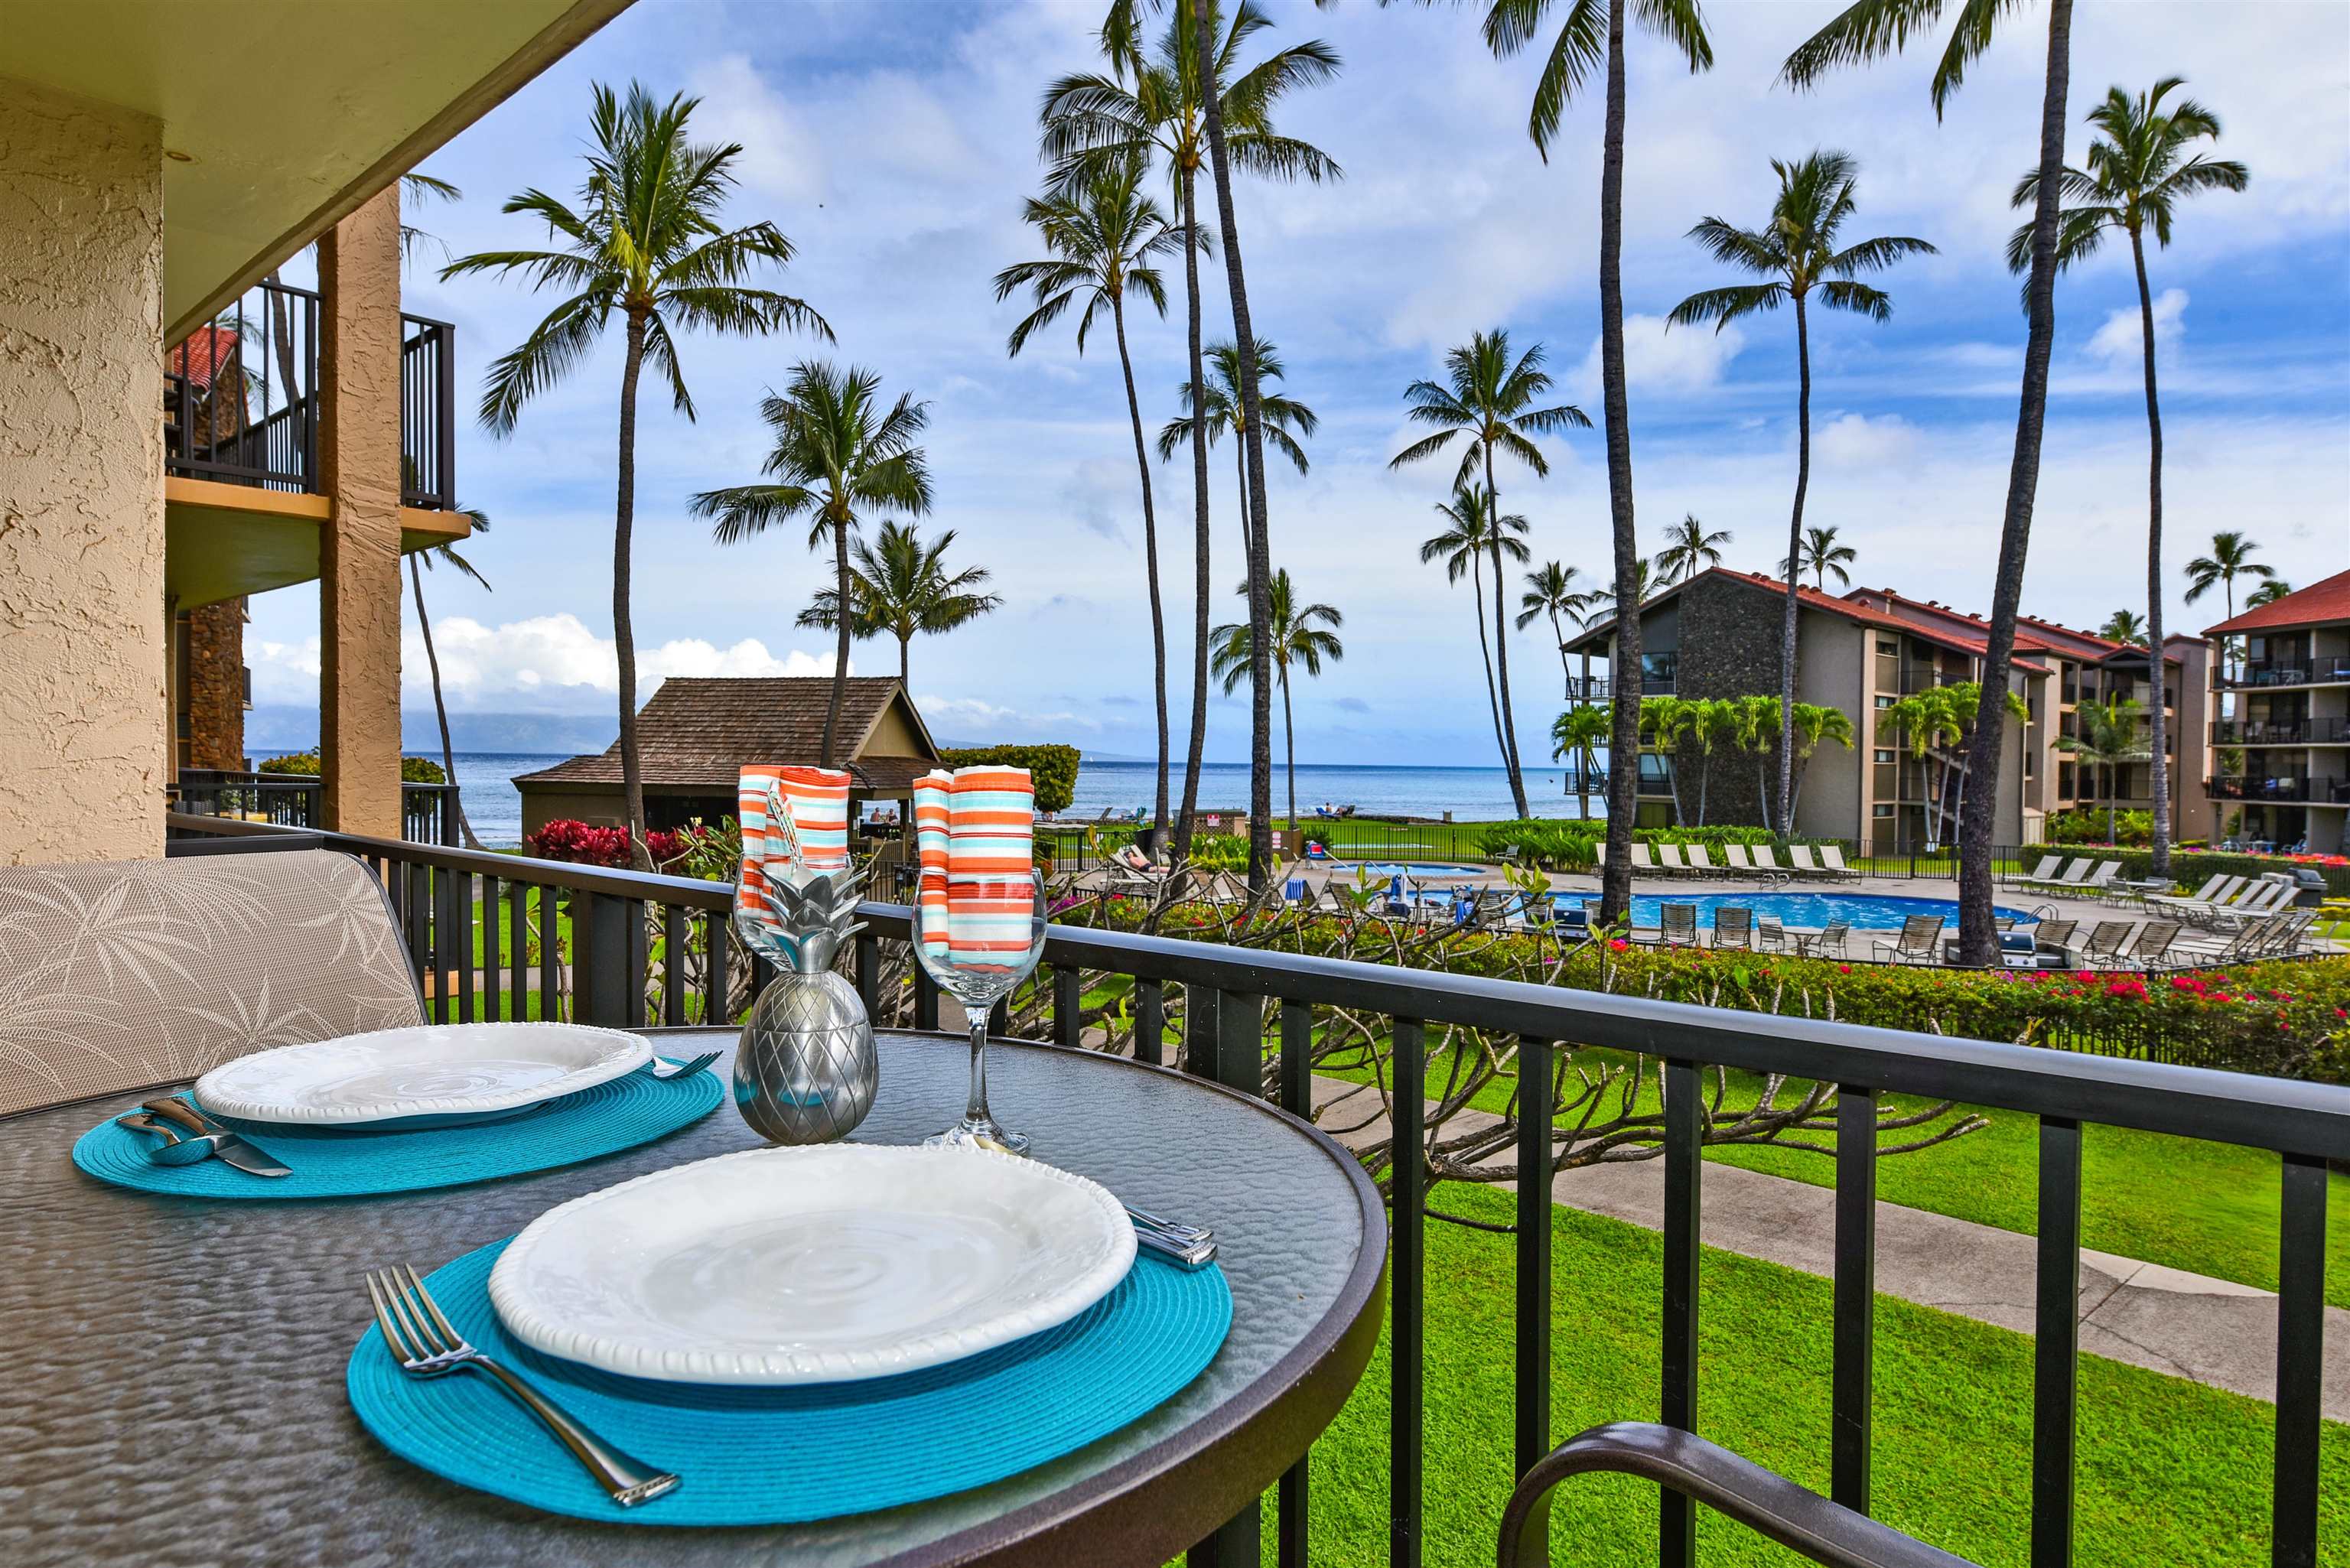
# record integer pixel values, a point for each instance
(1472, 795)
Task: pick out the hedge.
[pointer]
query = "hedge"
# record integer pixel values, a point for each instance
(1054, 769)
(305, 764)
(1567, 843)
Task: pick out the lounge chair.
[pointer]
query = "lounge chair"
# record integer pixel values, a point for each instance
(1767, 862)
(1740, 861)
(2105, 939)
(2200, 896)
(2149, 947)
(1733, 926)
(1641, 863)
(2101, 878)
(1680, 928)
(2041, 873)
(1832, 862)
(1801, 854)
(1920, 936)
(2261, 899)
(2053, 937)
(2070, 877)
(1700, 864)
(2251, 941)
(1816, 944)
(2211, 898)
(1668, 860)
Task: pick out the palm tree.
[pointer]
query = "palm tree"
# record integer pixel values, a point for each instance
(2230, 558)
(480, 520)
(1864, 31)
(1929, 721)
(1282, 414)
(1474, 533)
(902, 586)
(1103, 240)
(2136, 177)
(1645, 580)
(1718, 723)
(1822, 555)
(1667, 721)
(1150, 105)
(2125, 626)
(2109, 738)
(1591, 34)
(1490, 399)
(1817, 724)
(1579, 732)
(2268, 593)
(645, 240)
(1551, 591)
(1797, 252)
(838, 454)
(1302, 636)
(1690, 549)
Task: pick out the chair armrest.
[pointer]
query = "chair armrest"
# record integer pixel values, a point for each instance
(1770, 1504)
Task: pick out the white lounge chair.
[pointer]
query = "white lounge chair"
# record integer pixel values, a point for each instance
(2200, 896)
(2040, 873)
(2069, 878)
(1642, 862)
(2101, 878)
(1801, 854)
(1831, 861)
(1668, 860)
(1767, 862)
(1700, 864)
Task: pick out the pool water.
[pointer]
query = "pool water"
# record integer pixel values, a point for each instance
(1424, 871)
(1861, 911)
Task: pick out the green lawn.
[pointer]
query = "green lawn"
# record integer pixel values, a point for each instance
(2208, 1208)
(2171, 1472)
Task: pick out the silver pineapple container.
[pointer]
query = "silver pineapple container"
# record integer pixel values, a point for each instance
(806, 1070)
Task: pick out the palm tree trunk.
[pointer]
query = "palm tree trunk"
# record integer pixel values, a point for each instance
(1787, 624)
(1978, 939)
(1502, 643)
(1150, 570)
(1485, 652)
(1201, 569)
(624, 636)
(440, 709)
(840, 619)
(1624, 745)
(2159, 773)
(1258, 571)
(1289, 744)
(905, 678)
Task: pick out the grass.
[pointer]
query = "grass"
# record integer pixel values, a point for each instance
(2207, 1208)
(2171, 1472)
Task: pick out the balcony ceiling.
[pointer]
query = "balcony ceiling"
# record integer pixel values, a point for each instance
(281, 116)
(221, 541)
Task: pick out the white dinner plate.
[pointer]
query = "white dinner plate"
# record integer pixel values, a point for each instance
(435, 1074)
(812, 1265)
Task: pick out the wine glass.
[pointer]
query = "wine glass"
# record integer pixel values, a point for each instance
(991, 946)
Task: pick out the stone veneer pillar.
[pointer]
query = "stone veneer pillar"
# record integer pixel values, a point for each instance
(358, 555)
(85, 742)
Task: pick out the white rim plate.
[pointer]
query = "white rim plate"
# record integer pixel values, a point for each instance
(421, 1074)
(826, 1264)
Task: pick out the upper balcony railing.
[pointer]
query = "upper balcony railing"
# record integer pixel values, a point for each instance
(241, 399)
(428, 812)
(1599, 688)
(625, 951)
(2283, 787)
(2319, 669)
(2326, 730)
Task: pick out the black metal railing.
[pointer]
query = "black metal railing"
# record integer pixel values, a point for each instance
(428, 812)
(241, 399)
(620, 947)
(428, 413)
(2311, 670)
(1600, 689)
(2329, 730)
(2285, 787)
(240, 395)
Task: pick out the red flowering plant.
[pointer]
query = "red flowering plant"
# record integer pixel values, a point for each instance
(585, 844)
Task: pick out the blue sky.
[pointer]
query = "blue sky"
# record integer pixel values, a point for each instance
(893, 141)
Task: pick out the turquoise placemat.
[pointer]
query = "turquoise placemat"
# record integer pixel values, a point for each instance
(785, 1456)
(630, 1110)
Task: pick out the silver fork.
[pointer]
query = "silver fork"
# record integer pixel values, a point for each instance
(666, 1071)
(426, 1345)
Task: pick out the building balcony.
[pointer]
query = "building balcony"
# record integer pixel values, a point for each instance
(2322, 670)
(2328, 730)
(428, 812)
(2287, 787)
(1599, 688)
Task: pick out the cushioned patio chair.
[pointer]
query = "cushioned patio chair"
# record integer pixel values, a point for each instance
(118, 976)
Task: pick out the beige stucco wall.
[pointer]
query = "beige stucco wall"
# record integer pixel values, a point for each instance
(84, 747)
(1832, 671)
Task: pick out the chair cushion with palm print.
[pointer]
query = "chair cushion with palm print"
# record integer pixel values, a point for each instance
(130, 975)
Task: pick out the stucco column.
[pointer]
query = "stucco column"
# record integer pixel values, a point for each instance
(85, 742)
(359, 554)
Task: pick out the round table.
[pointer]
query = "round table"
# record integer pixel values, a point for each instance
(175, 1381)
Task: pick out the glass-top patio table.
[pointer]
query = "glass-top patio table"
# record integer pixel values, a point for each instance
(175, 1388)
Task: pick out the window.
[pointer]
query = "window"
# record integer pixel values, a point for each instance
(1883, 755)
(2027, 761)
(1882, 808)
(1883, 701)
(1888, 646)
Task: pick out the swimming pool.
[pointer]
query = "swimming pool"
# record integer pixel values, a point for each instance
(1421, 871)
(1862, 910)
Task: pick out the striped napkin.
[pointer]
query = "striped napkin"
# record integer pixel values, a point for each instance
(991, 841)
(932, 816)
(809, 836)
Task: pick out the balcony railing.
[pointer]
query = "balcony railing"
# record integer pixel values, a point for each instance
(428, 812)
(2330, 730)
(2290, 787)
(1600, 689)
(241, 399)
(1248, 1020)
(2322, 668)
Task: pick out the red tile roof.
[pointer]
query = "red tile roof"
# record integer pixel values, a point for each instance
(201, 357)
(2314, 604)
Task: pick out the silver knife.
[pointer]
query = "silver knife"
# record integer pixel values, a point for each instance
(1193, 1249)
(227, 1144)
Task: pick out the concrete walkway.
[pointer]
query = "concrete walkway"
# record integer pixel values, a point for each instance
(2186, 1325)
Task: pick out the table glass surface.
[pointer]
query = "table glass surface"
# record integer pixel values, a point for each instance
(175, 1387)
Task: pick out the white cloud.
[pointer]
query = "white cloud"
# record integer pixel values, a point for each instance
(973, 718)
(780, 157)
(2122, 339)
(1682, 360)
(1856, 441)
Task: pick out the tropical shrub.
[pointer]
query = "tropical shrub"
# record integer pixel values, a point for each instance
(305, 764)
(584, 843)
(2086, 825)
(1052, 769)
